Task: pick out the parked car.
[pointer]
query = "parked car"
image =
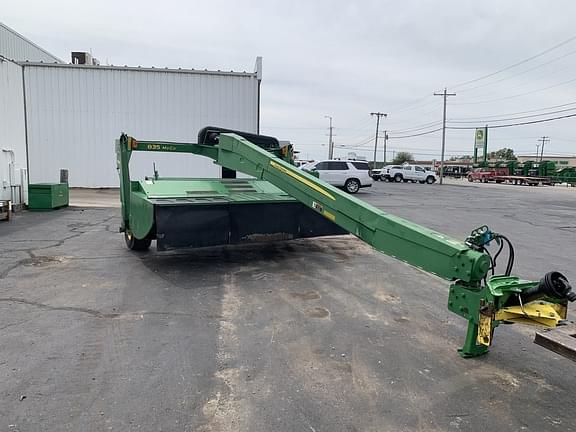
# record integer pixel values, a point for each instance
(348, 174)
(408, 172)
(377, 174)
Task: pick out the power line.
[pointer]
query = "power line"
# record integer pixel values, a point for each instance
(363, 125)
(364, 141)
(415, 135)
(514, 113)
(403, 108)
(291, 128)
(420, 114)
(519, 73)
(516, 118)
(517, 124)
(540, 54)
(417, 128)
(408, 107)
(517, 95)
(520, 86)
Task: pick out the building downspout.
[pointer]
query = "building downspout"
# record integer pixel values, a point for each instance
(258, 71)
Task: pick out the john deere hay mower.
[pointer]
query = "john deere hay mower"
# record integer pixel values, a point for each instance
(283, 202)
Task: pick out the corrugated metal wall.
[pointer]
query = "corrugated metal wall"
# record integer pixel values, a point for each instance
(12, 128)
(16, 47)
(76, 112)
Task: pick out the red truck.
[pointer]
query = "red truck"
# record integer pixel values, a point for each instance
(485, 175)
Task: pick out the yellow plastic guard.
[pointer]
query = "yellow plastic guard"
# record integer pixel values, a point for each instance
(534, 313)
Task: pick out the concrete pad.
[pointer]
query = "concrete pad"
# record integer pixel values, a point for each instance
(81, 197)
(312, 335)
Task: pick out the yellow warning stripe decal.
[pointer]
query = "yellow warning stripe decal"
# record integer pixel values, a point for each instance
(302, 180)
(329, 215)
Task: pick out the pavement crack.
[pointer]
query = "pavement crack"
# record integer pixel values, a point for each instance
(53, 244)
(99, 314)
(43, 306)
(6, 271)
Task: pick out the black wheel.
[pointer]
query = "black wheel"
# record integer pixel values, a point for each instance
(430, 179)
(470, 179)
(397, 178)
(136, 244)
(352, 186)
(405, 180)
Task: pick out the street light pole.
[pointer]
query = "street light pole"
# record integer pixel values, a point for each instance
(330, 142)
(385, 142)
(445, 94)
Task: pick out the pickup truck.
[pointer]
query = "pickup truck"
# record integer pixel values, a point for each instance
(484, 175)
(408, 172)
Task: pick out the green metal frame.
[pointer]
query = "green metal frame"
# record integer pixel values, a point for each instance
(471, 294)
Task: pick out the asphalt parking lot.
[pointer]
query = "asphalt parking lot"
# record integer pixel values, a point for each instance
(308, 335)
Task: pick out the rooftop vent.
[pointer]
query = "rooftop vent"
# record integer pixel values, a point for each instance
(84, 58)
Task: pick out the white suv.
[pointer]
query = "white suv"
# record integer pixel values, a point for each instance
(348, 174)
(407, 172)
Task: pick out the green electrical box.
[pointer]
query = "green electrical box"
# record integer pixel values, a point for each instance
(46, 196)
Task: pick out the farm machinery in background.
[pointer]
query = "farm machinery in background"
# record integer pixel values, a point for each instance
(281, 202)
(530, 172)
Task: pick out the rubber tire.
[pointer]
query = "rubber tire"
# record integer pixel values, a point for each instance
(352, 186)
(430, 180)
(470, 179)
(398, 178)
(136, 244)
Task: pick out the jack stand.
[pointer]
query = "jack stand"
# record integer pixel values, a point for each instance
(471, 347)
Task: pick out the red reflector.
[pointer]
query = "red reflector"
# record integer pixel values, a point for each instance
(134, 143)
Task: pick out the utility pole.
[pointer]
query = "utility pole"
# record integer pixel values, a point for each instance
(378, 115)
(444, 94)
(385, 142)
(543, 140)
(537, 151)
(330, 142)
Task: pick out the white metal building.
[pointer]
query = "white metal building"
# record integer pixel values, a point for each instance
(16, 47)
(75, 112)
(13, 181)
(68, 116)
